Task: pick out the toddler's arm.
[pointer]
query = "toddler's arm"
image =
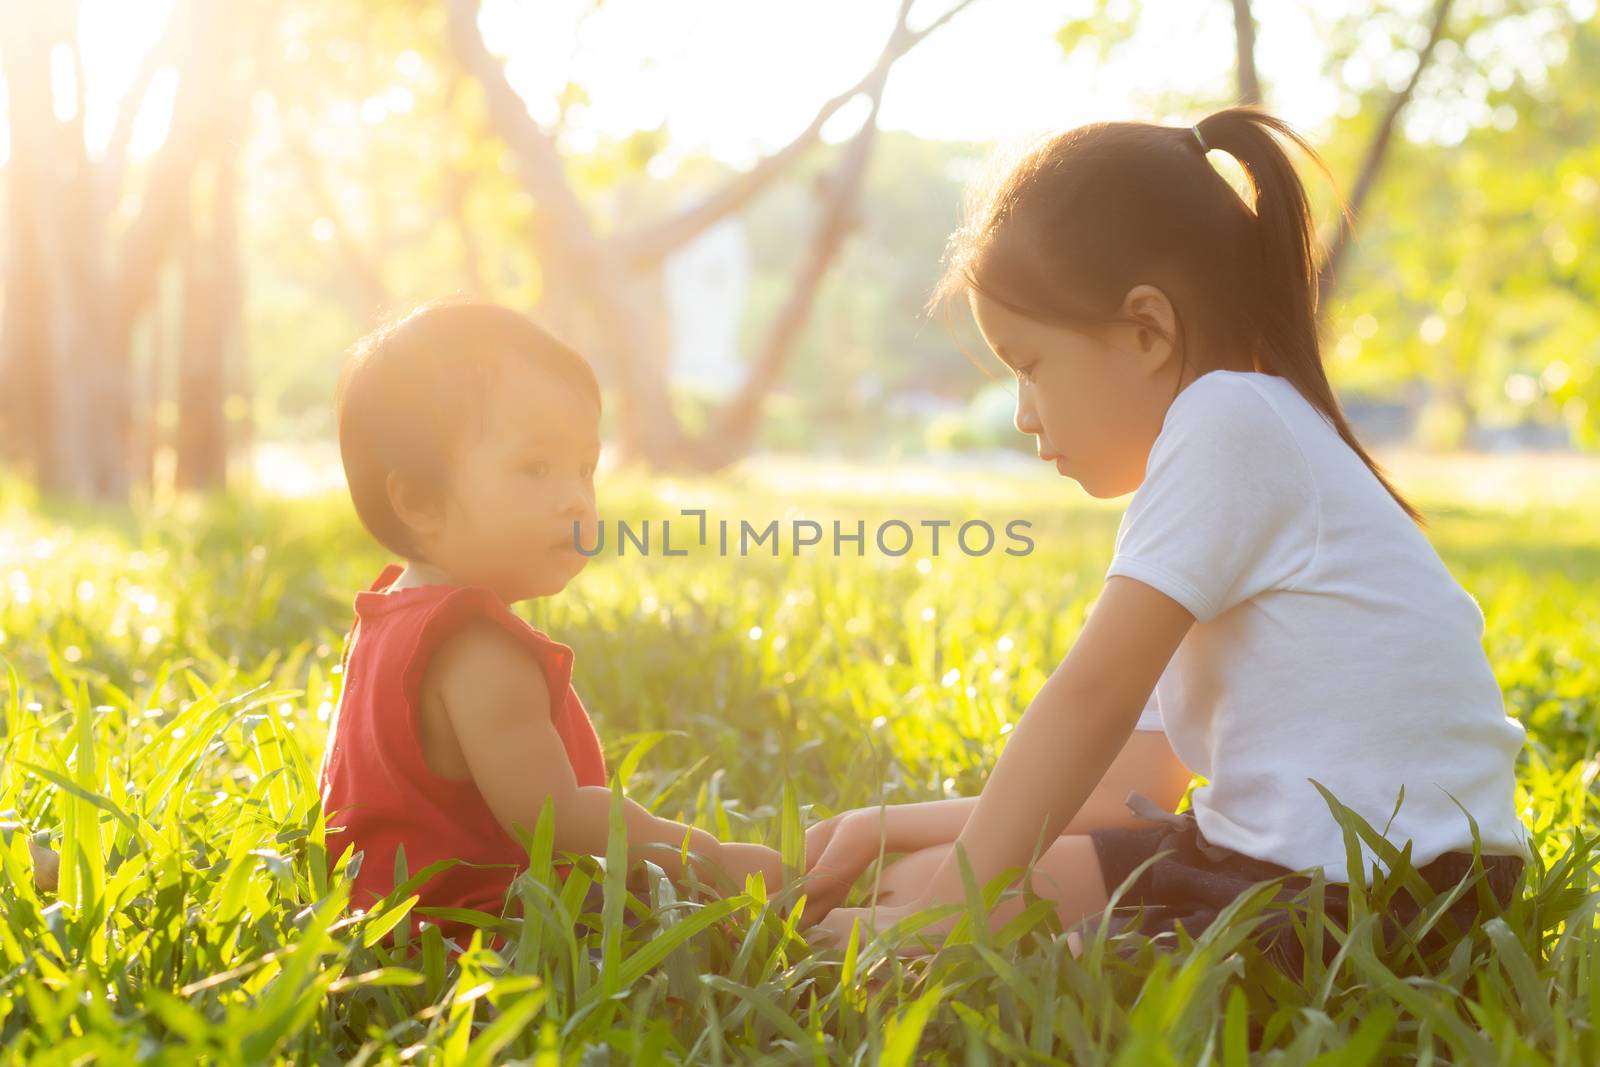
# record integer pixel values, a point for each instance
(498, 702)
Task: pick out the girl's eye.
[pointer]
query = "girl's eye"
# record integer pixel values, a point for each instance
(587, 470)
(538, 468)
(1026, 373)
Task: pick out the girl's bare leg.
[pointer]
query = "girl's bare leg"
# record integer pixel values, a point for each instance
(1068, 873)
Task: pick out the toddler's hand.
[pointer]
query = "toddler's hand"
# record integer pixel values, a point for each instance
(46, 865)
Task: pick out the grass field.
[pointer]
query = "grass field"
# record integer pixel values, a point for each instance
(170, 674)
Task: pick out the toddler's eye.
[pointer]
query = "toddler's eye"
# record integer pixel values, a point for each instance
(538, 468)
(1026, 373)
(587, 470)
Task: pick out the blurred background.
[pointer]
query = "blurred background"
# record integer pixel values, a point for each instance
(735, 210)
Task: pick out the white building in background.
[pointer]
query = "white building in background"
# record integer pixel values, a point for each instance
(707, 281)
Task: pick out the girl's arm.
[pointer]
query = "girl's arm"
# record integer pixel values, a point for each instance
(1145, 763)
(839, 848)
(1065, 742)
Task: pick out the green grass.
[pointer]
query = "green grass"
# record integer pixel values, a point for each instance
(169, 675)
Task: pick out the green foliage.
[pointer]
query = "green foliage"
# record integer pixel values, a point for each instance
(1467, 277)
(1101, 31)
(164, 709)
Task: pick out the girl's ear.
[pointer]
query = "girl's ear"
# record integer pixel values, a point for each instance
(1154, 338)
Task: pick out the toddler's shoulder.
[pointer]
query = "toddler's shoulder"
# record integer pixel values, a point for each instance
(483, 654)
(481, 664)
(485, 632)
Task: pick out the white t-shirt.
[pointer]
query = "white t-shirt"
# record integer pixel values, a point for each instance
(1150, 717)
(1330, 641)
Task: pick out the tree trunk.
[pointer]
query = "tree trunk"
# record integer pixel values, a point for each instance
(1373, 160)
(69, 347)
(237, 413)
(147, 400)
(27, 399)
(202, 436)
(1244, 35)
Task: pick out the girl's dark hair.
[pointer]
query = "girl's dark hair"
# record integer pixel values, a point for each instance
(412, 387)
(1086, 215)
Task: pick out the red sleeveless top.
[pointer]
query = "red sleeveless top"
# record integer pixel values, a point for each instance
(377, 789)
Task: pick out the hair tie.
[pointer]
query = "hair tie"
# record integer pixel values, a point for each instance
(1204, 148)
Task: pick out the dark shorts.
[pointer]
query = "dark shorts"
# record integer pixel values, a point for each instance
(1198, 879)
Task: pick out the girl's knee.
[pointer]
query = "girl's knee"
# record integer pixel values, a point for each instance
(1069, 874)
(907, 875)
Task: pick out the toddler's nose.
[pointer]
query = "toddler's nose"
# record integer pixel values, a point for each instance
(580, 513)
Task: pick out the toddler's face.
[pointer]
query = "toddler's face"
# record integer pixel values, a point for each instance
(1094, 408)
(520, 484)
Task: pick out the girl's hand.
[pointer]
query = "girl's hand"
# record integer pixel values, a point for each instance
(833, 931)
(838, 849)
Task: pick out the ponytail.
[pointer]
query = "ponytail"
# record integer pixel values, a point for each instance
(1287, 280)
(1088, 214)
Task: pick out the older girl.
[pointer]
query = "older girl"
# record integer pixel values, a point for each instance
(1302, 629)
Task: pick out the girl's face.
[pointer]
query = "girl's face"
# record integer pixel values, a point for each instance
(519, 484)
(1095, 403)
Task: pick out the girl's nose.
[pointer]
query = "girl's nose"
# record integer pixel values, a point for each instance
(1027, 420)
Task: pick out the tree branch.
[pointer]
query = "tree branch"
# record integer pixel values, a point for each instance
(365, 269)
(457, 184)
(167, 185)
(535, 153)
(1372, 162)
(163, 52)
(739, 419)
(590, 263)
(655, 241)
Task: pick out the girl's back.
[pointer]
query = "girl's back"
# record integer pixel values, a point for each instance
(1330, 641)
